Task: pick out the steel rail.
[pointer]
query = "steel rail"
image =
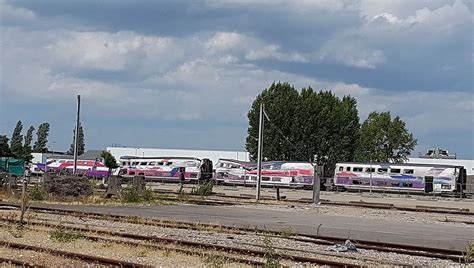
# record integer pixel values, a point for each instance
(84, 257)
(19, 263)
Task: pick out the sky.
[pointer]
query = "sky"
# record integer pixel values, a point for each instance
(183, 74)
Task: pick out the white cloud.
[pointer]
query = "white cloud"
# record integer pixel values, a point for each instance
(10, 13)
(249, 48)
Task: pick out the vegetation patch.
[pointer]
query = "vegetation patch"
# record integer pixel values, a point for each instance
(204, 189)
(214, 260)
(63, 234)
(36, 193)
(133, 194)
(272, 258)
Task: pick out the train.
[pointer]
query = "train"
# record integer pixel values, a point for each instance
(402, 177)
(90, 168)
(424, 178)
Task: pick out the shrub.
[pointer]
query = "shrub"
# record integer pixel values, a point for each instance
(214, 261)
(272, 259)
(133, 194)
(36, 193)
(204, 189)
(62, 234)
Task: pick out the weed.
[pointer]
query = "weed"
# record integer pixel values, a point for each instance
(469, 255)
(36, 193)
(62, 234)
(272, 259)
(287, 232)
(148, 195)
(214, 260)
(131, 195)
(204, 189)
(166, 252)
(143, 253)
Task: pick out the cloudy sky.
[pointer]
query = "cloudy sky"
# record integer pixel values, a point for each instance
(182, 74)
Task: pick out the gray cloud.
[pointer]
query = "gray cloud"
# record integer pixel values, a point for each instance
(189, 67)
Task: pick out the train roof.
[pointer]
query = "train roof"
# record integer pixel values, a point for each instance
(237, 161)
(402, 164)
(128, 157)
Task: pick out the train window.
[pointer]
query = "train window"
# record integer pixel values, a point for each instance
(357, 169)
(408, 171)
(407, 184)
(135, 163)
(370, 170)
(348, 168)
(382, 169)
(152, 164)
(143, 163)
(394, 170)
(341, 168)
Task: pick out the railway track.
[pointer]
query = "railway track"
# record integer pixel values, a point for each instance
(19, 263)
(174, 241)
(71, 255)
(454, 255)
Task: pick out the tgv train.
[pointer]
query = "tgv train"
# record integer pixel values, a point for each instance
(297, 174)
(160, 168)
(400, 177)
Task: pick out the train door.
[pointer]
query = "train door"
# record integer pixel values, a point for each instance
(428, 184)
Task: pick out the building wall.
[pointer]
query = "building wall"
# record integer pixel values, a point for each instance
(213, 155)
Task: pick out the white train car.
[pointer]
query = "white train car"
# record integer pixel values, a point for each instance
(274, 173)
(400, 177)
(160, 168)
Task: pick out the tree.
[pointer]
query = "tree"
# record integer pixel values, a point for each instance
(81, 144)
(4, 147)
(304, 126)
(109, 160)
(16, 142)
(40, 145)
(384, 140)
(26, 152)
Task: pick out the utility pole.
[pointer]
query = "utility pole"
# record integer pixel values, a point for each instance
(76, 134)
(260, 146)
(316, 183)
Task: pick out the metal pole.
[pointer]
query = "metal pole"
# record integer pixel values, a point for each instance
(260, 145)
(76, 134)
(316, 184)
(370, 180)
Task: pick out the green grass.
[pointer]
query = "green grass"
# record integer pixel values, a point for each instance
(63, 234)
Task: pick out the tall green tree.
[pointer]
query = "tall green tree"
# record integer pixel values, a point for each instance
(109, 160)
(26, 152)
(4, 147)
(41, 143)
(281, 101)
(304, 126)
(81, 143)
(384, 140)
(16, 141)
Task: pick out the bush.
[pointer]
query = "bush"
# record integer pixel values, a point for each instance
(272, 258)
(214, 261)
(69, 186)
(62, 234)
(204, 189)
(36, 193)
(132, 194)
